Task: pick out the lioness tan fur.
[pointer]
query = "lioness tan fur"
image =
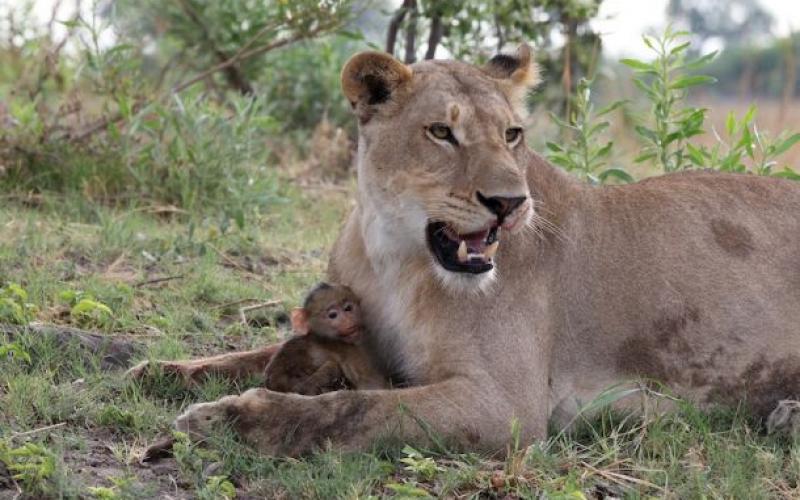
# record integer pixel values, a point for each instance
(690, 279)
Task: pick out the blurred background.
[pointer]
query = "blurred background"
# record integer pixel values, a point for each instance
(173, 174)
(101, 83)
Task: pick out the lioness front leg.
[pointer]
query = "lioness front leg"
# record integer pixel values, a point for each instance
(457, 411)
(234, 366)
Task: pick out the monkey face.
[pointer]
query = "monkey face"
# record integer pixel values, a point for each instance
(344, 320)
(333, 312)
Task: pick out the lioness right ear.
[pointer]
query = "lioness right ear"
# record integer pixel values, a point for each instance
(300, 321)
(370, 79)
(516, 74)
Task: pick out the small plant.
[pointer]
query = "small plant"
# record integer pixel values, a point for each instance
(86, 310)
(407, 490)
(13, 350)
(665, 83)
(217, 487)
(422, 466)
(192, 462)
(745, 148)
(14, 305)
(30, 464)
(585, 154)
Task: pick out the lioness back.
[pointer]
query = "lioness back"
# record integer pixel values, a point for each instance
(690, 279)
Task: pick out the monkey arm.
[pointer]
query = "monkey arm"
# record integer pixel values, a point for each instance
(456, 411)
(317, 382)
(235, 365)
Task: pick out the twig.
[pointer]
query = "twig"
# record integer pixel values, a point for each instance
(40, 429)
(243, 310)
(394, 25)
(411, 34)
(158, 280)
(227, 259)
(435, 36)
(621, 478)
(241, 55)
(234, 303)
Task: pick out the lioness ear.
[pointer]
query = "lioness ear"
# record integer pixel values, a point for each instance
(300, 321)
(517, 74)
(370, 78)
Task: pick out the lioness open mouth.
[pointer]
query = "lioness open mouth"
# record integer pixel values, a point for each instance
(463, 253)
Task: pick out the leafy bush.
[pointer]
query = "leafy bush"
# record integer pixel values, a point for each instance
(32, 465)
(14, 305)
(85, 310)
(96, 121)
(302, 85)
(665, 82)
(584, 154)
(666, 131)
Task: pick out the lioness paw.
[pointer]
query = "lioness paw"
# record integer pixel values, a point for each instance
(785, 418)
(199, 420)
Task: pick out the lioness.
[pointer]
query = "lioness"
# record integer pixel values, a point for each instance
(692, 279)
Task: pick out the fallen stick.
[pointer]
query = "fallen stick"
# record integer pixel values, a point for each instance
(245, 309)
(40, 429)
(158, 280)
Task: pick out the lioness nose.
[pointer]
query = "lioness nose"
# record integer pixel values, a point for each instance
(501, 206)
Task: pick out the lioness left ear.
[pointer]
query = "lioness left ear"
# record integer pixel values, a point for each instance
(370, 79)
(516, 74)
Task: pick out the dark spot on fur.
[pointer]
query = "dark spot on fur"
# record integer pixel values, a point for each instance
(761, 385)
(639, 356)
(472, 436)
(735, 239)
(669, 327)
(377, 88)
(348, 418)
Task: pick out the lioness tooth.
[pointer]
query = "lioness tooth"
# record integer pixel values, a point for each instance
(462, 251)
(491, 250)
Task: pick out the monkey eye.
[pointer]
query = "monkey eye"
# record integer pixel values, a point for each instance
(332, 314)
(348, 307)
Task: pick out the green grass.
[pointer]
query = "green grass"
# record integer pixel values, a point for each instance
(69, 429)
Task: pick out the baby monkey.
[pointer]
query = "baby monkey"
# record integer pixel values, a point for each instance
(327, 352)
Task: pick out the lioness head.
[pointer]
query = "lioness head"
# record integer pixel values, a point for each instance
(440, 161)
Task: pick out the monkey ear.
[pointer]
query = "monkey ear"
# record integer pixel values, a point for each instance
(516, 74)
(370, 79)
(300, 321)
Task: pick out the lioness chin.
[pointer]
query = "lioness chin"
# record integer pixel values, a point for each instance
(689, 279)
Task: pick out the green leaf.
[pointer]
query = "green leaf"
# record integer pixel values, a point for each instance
(637, 65)
(552, 146)
(679, 48)
(646, 133)
(787, 173)
(700, 61)
(648, 155)
(407, 490)
(730, 123)
(611, 107)
(696, 155)
(616, 173)
(786, 144)
(750, 115)
(692, 81)
(597, 129)
(605, 150)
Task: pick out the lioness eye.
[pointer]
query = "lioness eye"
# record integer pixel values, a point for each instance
(442, 132)
(512, 134)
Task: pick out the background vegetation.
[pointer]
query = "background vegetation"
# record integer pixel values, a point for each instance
(172, 175)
